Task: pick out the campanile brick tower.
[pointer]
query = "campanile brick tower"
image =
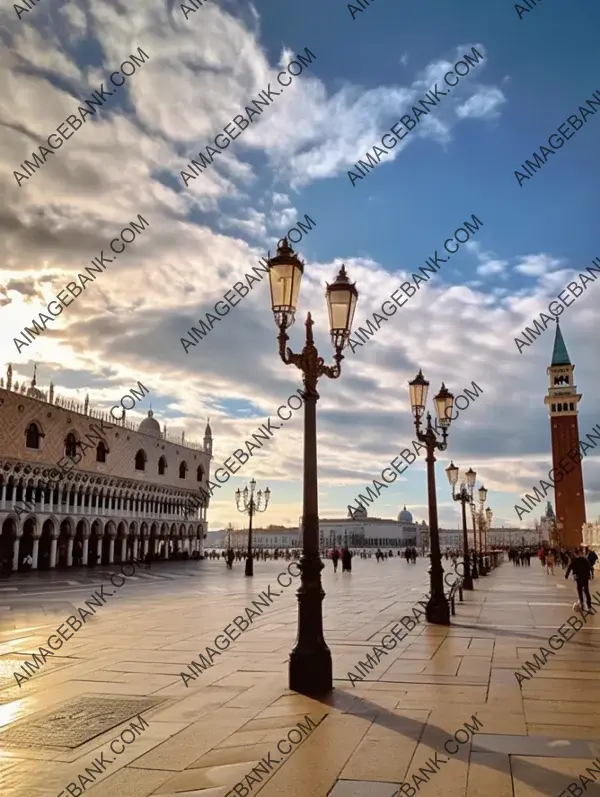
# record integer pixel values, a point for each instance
(562, 400)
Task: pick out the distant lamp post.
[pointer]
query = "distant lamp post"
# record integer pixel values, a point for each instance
(310, 669)
(488, 525)
(249, 503)
(478, 523)
(438, 610)
(465, 496)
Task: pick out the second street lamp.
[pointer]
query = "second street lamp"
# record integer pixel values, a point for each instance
(310, 670)
(478, 522)
(465, 496)
(488, 525)
(438, 610)
(248, 503)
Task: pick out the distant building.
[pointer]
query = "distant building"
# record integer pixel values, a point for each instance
(360, 531)
(270, 538)
(453, 538)
(126, 495)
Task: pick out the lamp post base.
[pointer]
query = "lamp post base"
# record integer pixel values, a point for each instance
(249, 570)
(467, 579)
(474, 572)
(311, 671)
(310, 668)
(438, 611)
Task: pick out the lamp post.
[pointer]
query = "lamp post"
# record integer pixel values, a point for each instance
(310, 669)
(478, 524)
(488, 525)
(438, 610)
(465, 496)
(474, 565)
(248, 503)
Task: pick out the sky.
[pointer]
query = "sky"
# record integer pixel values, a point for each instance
(369, 67)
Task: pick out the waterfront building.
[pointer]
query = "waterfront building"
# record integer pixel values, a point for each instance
(129, 493)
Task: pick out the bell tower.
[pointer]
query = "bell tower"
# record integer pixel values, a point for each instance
(562, 400)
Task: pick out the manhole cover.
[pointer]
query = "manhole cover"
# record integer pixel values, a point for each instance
(75, 721)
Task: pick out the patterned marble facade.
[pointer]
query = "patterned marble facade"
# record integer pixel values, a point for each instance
(127, 494)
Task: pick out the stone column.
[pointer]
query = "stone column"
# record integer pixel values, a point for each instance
(111, 550)
(53, 552)
(70, 552)
(123, 548)
(85, 551)
(15, 561)
(35, 552)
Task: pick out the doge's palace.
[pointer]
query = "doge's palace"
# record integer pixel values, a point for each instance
(126, 496)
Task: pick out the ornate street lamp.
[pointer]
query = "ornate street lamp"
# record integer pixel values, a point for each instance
(488, 525)
(438, 610)
(249, 504)
(465, 496)
(310, 669)
(478, 521)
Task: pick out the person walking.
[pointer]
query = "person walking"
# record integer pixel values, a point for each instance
(229, 558)
(346, 560)
(582, 572)
(550, 563)
(335, 558)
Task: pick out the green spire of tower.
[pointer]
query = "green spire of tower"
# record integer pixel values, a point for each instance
(559, 353)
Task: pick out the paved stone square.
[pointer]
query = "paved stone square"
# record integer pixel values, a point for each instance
(367, 738)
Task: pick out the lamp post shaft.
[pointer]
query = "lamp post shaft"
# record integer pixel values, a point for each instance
(310, 670)
(249, 570)
(438, 610)
(482, 567)
(474, 569)
(467, 580)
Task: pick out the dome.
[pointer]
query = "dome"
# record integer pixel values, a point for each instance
(150, 425)
(405, 516)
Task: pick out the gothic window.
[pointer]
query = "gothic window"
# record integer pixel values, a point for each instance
(70, 445)
(101, 452)
(182, 470)
(32, 436)
(200, 473)
(554, 408)
(162, 466)
(565, 407)
(140, 460)
(571, 407)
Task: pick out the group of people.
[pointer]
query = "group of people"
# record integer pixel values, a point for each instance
(345, 555)
(230, 555)
(520, 556)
